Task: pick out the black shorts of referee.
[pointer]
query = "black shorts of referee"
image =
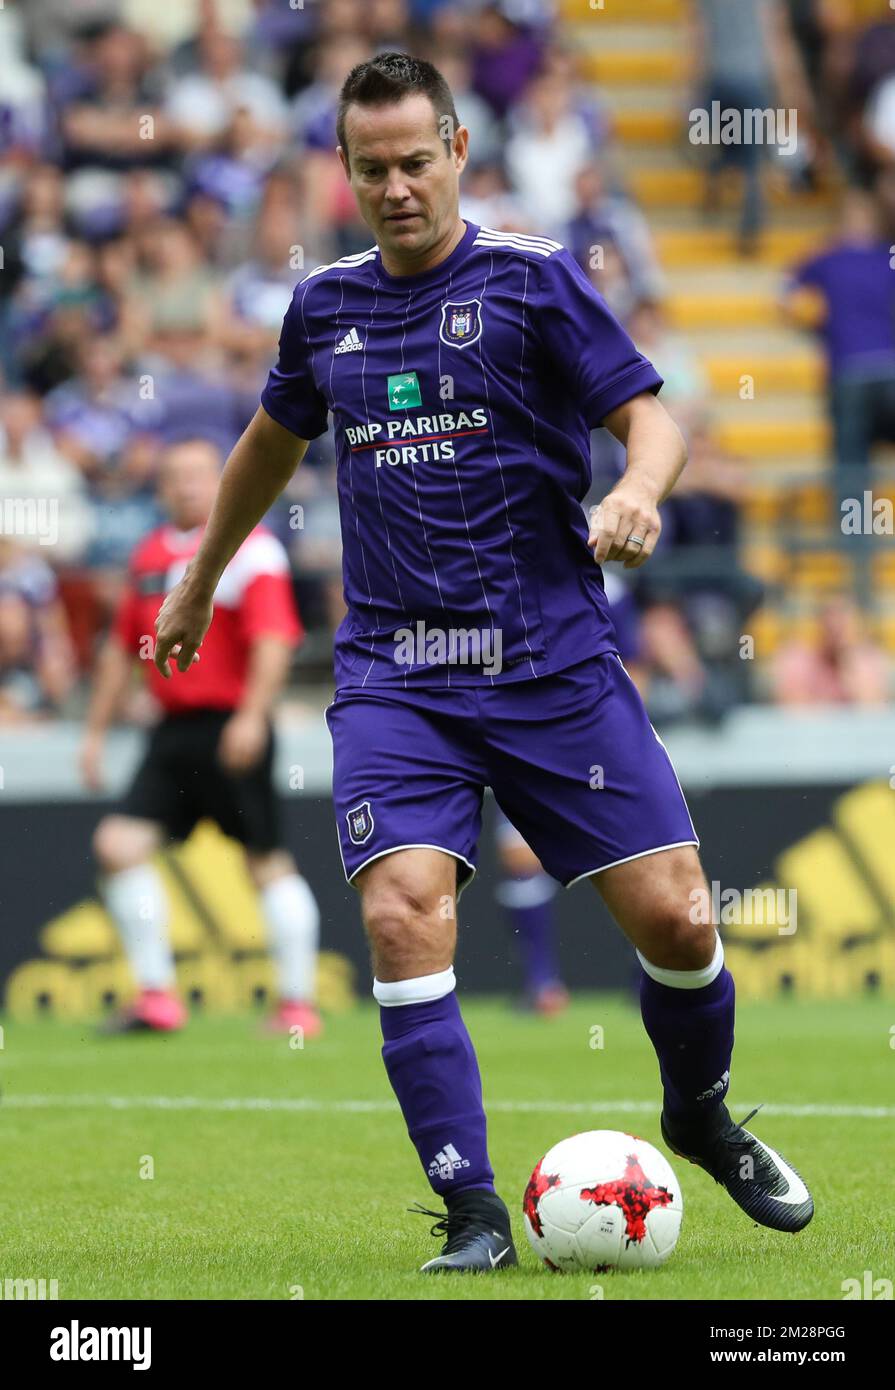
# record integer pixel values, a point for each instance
(181, 781)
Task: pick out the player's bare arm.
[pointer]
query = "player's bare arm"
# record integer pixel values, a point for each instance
(626, 525)
(113, 673)
(260, 466)
(244, 736)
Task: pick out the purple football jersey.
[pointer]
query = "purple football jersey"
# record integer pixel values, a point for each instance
(462, 402)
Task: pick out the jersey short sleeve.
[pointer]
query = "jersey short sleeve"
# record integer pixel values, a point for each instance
(268, 610)
(267, 606)
(808, 274)
(586, 343)
(291, 396)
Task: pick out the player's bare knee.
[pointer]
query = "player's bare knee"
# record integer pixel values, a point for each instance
(678, 943)
(391, 911)
(108, 846)
(693, 945)
(517, 859)
(120, 842)
(408, 931)
(265, 867)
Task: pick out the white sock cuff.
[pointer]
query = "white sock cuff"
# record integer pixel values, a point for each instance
(687, 979)
(139, 878)
(423, 990)
(526, 892)
(289, 893)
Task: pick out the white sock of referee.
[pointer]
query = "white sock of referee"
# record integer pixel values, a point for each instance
(293, 923)
(136, 900)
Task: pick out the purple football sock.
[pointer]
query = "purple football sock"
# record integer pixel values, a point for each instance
(432, 1066)
(692, 1032)
(528, 900)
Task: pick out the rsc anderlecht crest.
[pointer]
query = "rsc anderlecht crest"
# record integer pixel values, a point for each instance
(461, 322)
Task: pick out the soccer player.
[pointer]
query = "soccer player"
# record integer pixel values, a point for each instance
(210, 756)
(527, 896)
(464, 369)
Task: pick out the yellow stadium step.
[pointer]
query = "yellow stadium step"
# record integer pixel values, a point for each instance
(779, 375)
(764, 505)
(884, 572)
(728, 309)
(703, 246)
(622, 11)
(765, 560)
(812, 504)
(766, 630)
(659, 127)
(771, 629)
(683, 186)
(823, 571)
(618, 67)
(678, 187)
(862, 10)
(760, 438)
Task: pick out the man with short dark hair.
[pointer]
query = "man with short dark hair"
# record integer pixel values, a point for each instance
(465, 368)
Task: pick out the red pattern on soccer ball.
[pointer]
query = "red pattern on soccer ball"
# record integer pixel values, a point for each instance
(633, 1192)
(538, 1184)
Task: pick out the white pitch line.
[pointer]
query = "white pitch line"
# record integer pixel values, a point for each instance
(505, 1107)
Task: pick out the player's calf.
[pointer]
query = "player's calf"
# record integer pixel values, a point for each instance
(428, 1054)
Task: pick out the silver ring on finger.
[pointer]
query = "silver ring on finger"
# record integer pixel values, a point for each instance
(635, 540)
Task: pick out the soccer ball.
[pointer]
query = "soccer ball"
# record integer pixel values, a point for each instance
(603, 1200)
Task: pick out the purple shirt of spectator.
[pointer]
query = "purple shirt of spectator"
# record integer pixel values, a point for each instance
(320, 131)
(102, 426)
(234, 183)
(187, 404)
(500, 75)
(858, 285)
(874, 59)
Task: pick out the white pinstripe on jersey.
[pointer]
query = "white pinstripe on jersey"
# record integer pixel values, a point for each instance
(388, 539)
(475, 557)
(419, 506)
(355, 510)
(503, 484)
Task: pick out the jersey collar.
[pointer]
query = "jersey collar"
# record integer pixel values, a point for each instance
(182, 540)
(438, 272)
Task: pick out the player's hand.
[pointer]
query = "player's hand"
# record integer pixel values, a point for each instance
(91, 761)
(243, 740)
(627, 512)
(183, 620)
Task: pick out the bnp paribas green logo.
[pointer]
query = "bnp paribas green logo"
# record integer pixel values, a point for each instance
(404, 391)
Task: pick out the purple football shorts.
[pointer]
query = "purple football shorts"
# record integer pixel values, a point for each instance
(572, 759)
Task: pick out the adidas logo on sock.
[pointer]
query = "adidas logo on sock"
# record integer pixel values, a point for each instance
(717, 1090)
(350, 343)
(446, 1162)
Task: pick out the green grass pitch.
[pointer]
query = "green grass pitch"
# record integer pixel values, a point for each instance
(281, 1172)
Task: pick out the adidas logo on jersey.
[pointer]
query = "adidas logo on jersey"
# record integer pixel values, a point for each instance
(446, 1162)
(350, 343)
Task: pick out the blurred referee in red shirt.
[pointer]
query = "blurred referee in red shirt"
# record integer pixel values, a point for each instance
(210, 756)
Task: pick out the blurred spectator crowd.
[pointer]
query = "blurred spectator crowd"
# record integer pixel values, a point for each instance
(167, 174)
